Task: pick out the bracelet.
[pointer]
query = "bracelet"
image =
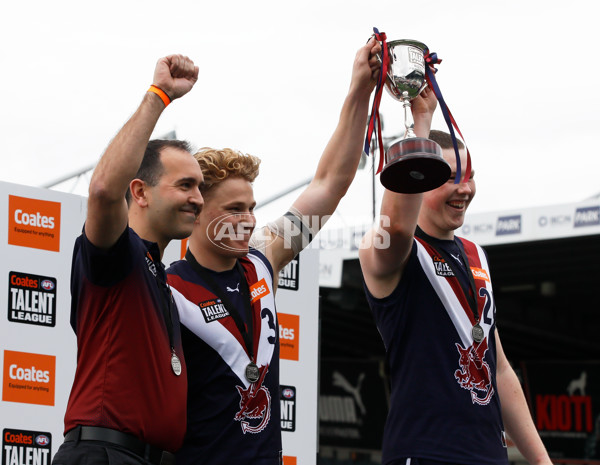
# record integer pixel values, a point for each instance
(161, 93)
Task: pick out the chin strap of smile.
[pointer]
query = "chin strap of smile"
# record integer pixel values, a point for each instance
(432, 59)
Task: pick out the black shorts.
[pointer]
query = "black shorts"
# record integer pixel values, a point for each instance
(95, 453)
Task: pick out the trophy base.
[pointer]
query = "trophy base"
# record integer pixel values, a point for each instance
(413, 166)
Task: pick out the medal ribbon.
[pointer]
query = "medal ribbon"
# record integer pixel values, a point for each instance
(374, 120)
(432, 59)
(167, 306)
(470, 293)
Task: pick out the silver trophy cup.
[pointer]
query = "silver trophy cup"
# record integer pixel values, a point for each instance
(412, 164)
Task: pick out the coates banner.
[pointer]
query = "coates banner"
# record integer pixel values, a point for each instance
(37, 345)
(565, 399)
(353, 404)
(34, 222)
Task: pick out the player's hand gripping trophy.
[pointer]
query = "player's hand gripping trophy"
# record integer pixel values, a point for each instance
(412, 164)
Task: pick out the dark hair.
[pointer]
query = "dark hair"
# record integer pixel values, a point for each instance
(151, 168)
(444, 139)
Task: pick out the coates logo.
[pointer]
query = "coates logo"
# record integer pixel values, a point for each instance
(22, 447)
(259, 290)
(289, 336)
(474, 374)
(255, 405)
(34, 223)
(232, 232)
(479, 273)
(28, 378)
(588, 216)
(508, 225)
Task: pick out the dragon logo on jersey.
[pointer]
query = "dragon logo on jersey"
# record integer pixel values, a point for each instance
(475, 374)
(255, 404)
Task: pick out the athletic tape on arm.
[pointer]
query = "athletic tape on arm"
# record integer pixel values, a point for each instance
(293, 228)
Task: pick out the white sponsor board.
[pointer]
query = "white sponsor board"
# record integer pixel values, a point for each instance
(505, 227)
(38, 347)
(298, 333)
(533, 224)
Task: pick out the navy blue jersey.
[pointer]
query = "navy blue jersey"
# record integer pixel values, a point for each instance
(444, 400)
(230, 420)
(124, 379)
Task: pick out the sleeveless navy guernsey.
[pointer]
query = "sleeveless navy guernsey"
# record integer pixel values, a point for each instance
(444, 403)
(229, 419)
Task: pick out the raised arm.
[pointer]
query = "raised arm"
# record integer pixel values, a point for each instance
(385, 249)
(515, 412)
(107, 208)
(339, 161)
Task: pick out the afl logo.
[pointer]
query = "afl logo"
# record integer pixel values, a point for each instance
(47, 285)
(287, 393)
(42, 440)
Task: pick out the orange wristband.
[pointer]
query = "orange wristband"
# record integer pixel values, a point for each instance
(161, 93)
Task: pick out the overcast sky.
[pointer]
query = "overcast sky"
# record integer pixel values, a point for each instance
(519, 76)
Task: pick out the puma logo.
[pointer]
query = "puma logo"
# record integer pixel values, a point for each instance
(341, 382)
(456, 257)
(237, 289)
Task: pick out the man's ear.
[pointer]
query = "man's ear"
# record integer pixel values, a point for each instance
(139, 192)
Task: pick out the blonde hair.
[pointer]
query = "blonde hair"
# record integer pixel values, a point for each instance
(219, 165)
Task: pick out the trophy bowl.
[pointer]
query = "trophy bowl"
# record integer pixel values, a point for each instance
(412, 164)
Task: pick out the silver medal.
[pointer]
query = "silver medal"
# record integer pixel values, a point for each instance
(175, 364)
(252, 372)
(477, 333)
